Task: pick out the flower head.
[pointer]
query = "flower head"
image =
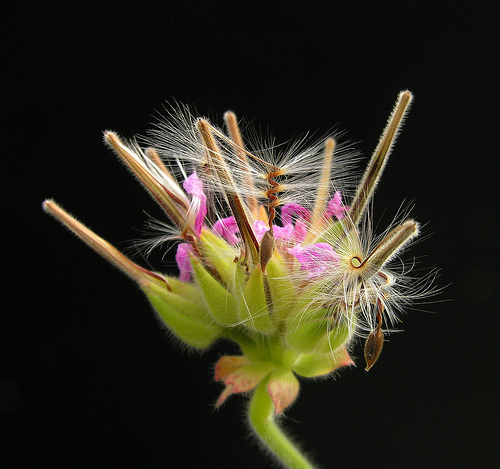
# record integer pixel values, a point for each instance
(268, 254)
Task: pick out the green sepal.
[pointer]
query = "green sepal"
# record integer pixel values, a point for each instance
(311, 365)
(184, 297)
(306, 336)
(220, 302)
(242, 337)
(306, 324)
(219, 253)
(337, 336)
(252, 305)
(191, 331)
(247, 377)
(281, 288)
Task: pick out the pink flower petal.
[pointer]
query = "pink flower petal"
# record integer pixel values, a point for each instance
(290, 231)
(299, 210)
(183, 261)
(301, 230)
(316, 258)
(227, 228)
(193, 185)
(286, 232)
(335, 207)
(260, 228)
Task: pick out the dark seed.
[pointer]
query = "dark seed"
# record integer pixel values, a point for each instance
(373, 347)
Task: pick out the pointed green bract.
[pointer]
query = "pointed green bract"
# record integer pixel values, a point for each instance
(252, 307)
(220, 255)
(220, 302)
(184, 297)
(282, 290)
(283, 388)
(334, 232)
(311, 365)
(338, 333)
(307, 325)
(189, 330)
(247, 377)
(306, 336)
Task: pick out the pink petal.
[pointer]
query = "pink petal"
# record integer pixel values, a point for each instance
(301, 230)
(227, 229)
(316, 258)
(286, 232)
(335, 207)
(260, 228)
(183, 261)
(193, 185)
(299, 210)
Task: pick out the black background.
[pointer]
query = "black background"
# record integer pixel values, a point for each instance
(87, 379)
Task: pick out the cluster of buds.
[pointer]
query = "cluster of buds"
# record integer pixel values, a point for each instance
(269, 255)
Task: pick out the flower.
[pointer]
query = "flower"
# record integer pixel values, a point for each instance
(316, 259)
(268, 254)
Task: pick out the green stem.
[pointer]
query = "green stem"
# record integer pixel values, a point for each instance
(261, 417)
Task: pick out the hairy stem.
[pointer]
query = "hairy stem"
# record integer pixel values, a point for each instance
(237, 140)
(233, 198)
(102, 247)
(318, 219)
(263, 423)
(378, 160)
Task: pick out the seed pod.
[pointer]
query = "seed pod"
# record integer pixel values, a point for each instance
(373, 347)
(266, 249)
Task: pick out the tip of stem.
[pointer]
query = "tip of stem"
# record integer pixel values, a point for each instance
(110, 137)
(230, 116)
(405, 97)
(46, 205)
(50, 207)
